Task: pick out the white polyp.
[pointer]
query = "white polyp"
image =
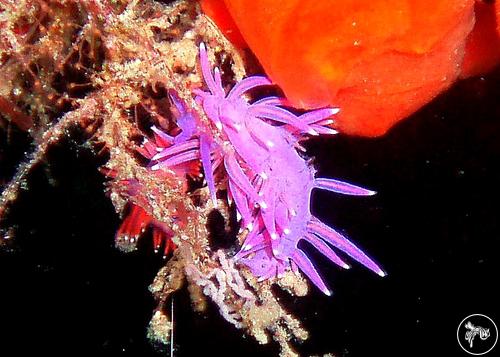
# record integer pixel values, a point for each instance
(264, 175)
(263, 205)
(274, 236)
(286, 231)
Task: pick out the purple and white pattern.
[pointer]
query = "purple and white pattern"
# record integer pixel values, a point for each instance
(269, 182)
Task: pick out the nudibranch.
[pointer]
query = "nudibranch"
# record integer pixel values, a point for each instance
(256, 145)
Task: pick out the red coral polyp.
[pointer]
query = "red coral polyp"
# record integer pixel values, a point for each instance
(134, 226)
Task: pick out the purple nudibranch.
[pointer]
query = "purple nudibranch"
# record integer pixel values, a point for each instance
(269, 182)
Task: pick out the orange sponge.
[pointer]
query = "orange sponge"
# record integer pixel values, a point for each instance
(378, 60)
(482, 51)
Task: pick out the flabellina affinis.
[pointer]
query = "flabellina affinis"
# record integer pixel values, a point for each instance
(268, 180)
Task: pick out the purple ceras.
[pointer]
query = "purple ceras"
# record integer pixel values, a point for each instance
(269, 182)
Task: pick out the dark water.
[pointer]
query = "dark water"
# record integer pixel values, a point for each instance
(433, 226)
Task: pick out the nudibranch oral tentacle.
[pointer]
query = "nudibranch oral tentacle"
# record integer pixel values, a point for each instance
(268, 180)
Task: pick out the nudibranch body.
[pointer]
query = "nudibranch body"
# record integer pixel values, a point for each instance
(268, 179)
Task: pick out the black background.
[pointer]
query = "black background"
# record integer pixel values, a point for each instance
(433, 226)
